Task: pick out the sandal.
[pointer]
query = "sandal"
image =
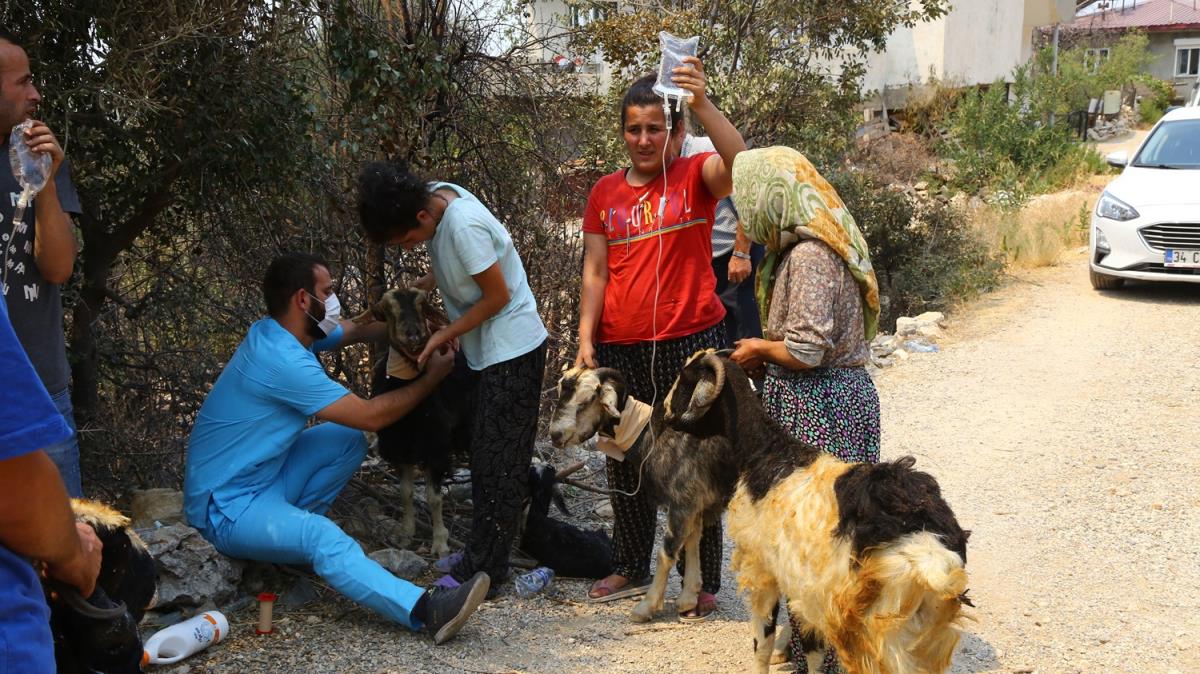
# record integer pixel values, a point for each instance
(706, 603)
(611, 593)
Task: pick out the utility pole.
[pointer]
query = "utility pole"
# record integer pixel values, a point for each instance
(1054, 63)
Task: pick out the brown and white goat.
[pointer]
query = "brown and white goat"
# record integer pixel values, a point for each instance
(435, 431)
(676, 469)
(869, 556)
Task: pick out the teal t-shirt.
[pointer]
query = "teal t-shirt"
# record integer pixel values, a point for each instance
(252, 417)
(468, 240)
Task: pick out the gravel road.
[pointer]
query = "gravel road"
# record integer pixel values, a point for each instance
(1064, 427)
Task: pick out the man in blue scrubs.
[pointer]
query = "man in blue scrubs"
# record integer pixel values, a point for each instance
(35, 517)
(259, 479)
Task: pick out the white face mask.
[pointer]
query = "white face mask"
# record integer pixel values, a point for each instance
(333, 312)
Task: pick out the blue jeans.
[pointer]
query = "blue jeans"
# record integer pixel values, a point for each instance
(65, 454)
(741, 309)
(284, 524)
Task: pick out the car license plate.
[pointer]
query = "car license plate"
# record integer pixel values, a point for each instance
(1182, 258)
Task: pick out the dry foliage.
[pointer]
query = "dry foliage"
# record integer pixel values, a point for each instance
(1037, 234)
(895, 158)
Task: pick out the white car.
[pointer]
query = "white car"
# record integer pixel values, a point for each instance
(1147, 223)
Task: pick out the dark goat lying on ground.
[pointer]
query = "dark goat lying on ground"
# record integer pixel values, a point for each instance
(870, 557)
(572, 552)
(100, 633)
(692, 476)
(438, 431)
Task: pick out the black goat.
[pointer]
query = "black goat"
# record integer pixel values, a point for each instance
(99, 634)
(693, 476)
(438, 430)
(869, 556)
(572, 552)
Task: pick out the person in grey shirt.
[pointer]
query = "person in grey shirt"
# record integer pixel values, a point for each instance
(39, 252)
(734, 261)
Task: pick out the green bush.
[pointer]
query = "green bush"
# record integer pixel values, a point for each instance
(995, 144)
(1155, 104)
(1014, 139)
(926, 255)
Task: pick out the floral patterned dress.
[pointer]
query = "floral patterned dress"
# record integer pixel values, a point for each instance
(816, 311)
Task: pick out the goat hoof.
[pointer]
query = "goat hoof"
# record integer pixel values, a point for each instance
(441, 551)
(778, 658)
(686, 602)
(642, 613)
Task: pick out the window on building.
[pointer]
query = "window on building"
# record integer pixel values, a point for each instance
(582, 15)
(1092, 58)
(1187, 61)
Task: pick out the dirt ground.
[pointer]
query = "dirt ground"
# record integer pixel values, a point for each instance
(1064, 427)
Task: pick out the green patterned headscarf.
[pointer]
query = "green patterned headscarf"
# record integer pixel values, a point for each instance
(782, 200)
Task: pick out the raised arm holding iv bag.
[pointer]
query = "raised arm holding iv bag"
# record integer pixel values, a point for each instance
(31, 171)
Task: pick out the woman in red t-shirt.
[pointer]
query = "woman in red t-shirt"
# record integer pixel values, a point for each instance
(648, 300)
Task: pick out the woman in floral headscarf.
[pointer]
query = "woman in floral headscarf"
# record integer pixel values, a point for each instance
(820, 304)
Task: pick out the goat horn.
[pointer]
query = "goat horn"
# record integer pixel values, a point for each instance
(82, 606)
(718, 368)
(705, 393)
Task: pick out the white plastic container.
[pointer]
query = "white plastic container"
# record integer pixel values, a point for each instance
(172, 644)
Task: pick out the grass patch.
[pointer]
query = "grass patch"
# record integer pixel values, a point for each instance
(1038, 233)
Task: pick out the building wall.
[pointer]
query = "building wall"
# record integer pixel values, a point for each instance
(1043, 13)
(548, 18)
(1162, 46)
(977, 42)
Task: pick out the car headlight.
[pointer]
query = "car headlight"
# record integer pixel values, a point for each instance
(1114, 209)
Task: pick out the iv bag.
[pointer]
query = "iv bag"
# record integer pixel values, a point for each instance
(674, 49)
(30, 169)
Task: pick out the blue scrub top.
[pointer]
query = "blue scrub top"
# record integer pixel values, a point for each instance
(254, 414)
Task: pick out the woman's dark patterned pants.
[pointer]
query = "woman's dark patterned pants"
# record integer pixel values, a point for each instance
(835, 410)
(501, 449)
(635, 517)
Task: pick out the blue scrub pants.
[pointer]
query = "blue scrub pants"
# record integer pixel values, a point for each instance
(285, 524)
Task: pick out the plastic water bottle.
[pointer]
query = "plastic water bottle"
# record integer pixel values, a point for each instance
(535, 581)
(172, 644)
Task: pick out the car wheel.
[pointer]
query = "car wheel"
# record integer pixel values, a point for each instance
(1105, 282)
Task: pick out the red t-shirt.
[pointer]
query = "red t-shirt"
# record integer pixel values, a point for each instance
(680, 244)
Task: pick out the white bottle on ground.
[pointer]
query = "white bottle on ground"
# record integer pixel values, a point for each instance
(172, 644)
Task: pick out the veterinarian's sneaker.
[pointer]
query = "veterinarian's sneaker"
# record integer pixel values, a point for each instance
(446, 610)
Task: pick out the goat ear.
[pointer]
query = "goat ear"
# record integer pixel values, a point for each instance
(431, 313)
(708, 387)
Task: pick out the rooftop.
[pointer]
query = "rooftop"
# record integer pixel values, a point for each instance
(1150, 15)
